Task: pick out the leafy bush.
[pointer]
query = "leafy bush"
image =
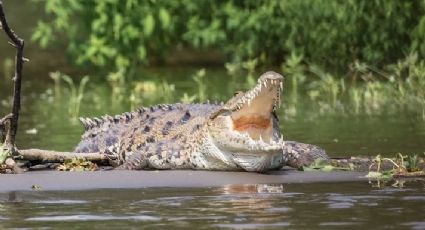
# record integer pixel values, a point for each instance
(123, 34)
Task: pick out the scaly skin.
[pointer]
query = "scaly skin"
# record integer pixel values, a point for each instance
(242, 134)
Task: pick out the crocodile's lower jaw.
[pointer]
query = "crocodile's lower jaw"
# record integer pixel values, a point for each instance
(254, 117)
(257, 161)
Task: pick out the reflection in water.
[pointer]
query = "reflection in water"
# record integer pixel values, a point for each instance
(395, 182)
(255, 188)
(297, 206)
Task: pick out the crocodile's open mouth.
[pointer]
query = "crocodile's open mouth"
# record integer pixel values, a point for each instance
(252, 112)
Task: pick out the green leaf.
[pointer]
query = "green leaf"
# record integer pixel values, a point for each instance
(148, 25)
(141, 52)
(164, 17)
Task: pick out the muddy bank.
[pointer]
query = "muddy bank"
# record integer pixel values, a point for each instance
(55, 180)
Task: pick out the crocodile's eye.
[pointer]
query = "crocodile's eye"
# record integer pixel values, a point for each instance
(221, 112)
(226, 113)
(237, 93)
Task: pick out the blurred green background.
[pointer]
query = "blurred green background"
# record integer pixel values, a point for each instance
(333, 34)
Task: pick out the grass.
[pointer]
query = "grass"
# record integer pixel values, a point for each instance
(76, 91)
(403, 166)
(364, 90)
(199, 79)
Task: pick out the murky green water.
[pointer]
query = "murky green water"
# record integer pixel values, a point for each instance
(293, 206)
(45, 123)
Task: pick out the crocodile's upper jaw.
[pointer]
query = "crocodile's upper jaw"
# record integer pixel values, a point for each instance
(254, 115)
(245, 124)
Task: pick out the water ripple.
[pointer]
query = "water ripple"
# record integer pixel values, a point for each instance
(341, 223)
(416, 225)
(93, 218)
(253, 225)
(59, 202)
(414, 198)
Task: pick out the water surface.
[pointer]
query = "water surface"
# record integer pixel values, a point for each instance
(294, 206)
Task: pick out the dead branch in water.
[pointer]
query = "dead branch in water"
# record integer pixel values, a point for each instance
(9, 123)
(54, 156)
(3, 121)
(10, 136)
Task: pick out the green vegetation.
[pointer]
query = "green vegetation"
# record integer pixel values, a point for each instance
(76, 93)
(403, 166)
(340, 53)
(366, 89)
(120, 35)
(198, 78)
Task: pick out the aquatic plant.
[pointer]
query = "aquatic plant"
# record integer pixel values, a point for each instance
(199, 79)
(187, 99)
(148, 92)
(295, 71)
(76, 92)
(403, 166)
(365, 89)
(117, 81)
(56, 77)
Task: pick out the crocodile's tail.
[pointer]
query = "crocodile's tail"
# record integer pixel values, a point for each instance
(298, 154)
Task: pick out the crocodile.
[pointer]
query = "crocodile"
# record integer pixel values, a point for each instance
(242, 134)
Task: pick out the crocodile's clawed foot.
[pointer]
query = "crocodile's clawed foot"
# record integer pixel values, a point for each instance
(113, 158)
(298, 154)
(134, 161)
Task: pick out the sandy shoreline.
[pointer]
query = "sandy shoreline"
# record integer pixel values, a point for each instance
(55, 180)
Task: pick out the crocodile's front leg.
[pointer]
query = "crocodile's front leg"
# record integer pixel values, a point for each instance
(296, 154)
(136, 161)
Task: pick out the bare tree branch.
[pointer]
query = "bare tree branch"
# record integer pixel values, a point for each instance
(54, 156)
(18, 43)
(3, 121)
